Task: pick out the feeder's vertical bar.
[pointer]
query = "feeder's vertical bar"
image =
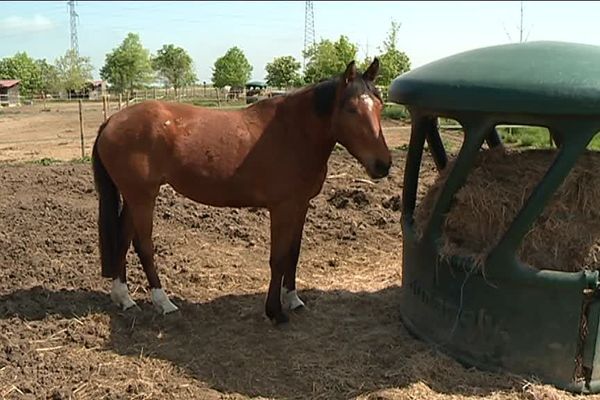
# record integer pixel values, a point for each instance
(493, 138)
(556, 135)
(413, 165)
(475, 132)
(434, 141)
(554, 177)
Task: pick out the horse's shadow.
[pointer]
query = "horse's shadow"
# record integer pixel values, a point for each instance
(345, 344)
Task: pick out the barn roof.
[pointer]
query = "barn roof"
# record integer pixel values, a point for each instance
(8, 83)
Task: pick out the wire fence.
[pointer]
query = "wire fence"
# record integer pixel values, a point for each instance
(89, 106)
(206, 93)
(100, 105)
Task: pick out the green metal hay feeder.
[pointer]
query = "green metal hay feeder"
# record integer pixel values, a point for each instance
(520, 319)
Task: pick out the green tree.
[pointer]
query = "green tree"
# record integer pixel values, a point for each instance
(327, 58)
(73, 70)
(128, 66)
(283, 72)
(231, 69)
(49, 80)
(364, 64)
(393, 61)
(22, 67)
(175, 66)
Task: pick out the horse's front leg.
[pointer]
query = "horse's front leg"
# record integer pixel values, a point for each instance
(287, 223)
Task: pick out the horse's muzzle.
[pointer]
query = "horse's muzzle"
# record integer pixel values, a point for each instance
(379, 169)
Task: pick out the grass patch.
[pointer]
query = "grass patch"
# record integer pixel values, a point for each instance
(594, 143)
(533, 137)
(215, 103)
(394, 111)
(46, 161)
(82, 160)
(205, 103)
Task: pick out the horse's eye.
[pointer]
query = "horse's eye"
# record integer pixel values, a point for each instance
(352, 110)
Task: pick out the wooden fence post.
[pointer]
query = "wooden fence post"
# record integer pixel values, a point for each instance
(81, 128)
(104, 106)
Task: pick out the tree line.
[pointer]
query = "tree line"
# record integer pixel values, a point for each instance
(130, 66)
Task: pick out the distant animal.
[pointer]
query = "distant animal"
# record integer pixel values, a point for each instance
(272, 154)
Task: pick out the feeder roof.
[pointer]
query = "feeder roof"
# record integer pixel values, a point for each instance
(525, 78)
(258, 84)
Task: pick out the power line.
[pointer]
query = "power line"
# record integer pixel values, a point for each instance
(73, 17)
(521, 26)
(309, 28)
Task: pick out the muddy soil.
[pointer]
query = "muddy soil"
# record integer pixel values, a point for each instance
(61, 338)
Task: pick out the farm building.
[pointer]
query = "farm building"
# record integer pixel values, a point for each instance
(93, 90)
(9, 92)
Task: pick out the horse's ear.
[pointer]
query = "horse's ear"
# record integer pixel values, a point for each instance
(371, 73)
(350, 72)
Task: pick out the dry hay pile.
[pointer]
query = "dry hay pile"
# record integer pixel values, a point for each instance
(566, 237)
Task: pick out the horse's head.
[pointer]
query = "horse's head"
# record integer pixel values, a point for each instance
(356, 119)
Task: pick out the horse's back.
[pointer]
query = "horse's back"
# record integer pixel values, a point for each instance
(248, 157)
(158, 126)
(198, 151)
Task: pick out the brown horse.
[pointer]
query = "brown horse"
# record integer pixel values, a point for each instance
(272, 155)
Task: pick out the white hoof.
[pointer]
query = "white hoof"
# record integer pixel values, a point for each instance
(162, 302)
(290, 299)
(119, 294)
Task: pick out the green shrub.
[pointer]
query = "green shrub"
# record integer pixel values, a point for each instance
(46, 161)
(394, 111)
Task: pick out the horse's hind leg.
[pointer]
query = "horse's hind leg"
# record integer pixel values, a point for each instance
(142, 242)
(119, 293)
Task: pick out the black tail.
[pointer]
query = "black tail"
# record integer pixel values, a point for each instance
(108, 211)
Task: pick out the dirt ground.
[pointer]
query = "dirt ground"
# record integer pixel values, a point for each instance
(61, 338)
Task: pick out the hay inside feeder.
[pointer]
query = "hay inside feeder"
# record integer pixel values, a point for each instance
(566, 237)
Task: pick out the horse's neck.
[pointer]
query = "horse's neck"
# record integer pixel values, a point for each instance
(304, 123)
(295, 117)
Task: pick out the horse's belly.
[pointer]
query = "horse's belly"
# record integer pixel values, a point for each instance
(255, 184)
(222, 194)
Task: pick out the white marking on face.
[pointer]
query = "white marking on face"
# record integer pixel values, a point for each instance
(120, 295)
(290, 299)
(365, 98)
(162, 302)
(167, 122)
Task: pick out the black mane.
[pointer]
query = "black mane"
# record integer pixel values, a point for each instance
(325, 93)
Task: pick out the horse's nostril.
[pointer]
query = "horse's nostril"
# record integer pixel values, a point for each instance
(382, 168)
